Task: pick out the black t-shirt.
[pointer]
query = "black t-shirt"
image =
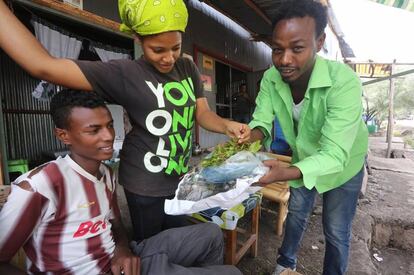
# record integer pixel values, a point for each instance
(161, 108)
(241, 104)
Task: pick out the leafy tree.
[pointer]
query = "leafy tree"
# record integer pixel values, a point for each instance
(377, 98)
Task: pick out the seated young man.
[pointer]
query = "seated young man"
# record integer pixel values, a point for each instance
(65, 213)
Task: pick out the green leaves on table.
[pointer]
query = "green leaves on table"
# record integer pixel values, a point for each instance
(224, 151)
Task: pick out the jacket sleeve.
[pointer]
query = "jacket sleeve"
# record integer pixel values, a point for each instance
(264, 114)
(338, 133)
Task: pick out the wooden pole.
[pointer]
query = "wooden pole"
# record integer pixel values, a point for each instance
(1, 170)
(390, 127)
(4, 171)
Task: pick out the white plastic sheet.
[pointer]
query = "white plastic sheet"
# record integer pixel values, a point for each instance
(225, 200)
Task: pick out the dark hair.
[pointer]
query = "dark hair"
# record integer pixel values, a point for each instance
(63, 102)
(300, 8)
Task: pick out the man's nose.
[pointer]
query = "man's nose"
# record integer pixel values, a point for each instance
(286, 58)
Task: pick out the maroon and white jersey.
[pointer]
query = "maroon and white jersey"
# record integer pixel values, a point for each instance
(63, 223)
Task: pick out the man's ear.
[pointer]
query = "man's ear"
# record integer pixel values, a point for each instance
(62, 135)
(320, 41)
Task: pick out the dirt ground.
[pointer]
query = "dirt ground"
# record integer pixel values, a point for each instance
(310, 258)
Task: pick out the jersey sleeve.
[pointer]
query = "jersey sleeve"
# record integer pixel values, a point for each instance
(18, 220)
(106, 78)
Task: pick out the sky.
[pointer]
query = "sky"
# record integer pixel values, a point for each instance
(375, 31)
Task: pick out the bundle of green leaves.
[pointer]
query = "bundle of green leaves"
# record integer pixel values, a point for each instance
(228, 149)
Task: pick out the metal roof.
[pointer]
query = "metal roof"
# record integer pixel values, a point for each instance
(256, 17)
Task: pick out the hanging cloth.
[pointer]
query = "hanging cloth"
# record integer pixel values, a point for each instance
(59, 45)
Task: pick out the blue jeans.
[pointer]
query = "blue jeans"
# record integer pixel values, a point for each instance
(339, 206)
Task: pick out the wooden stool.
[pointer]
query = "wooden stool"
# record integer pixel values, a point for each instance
(279, 193)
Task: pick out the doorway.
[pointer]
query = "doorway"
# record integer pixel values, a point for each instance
(228, 81)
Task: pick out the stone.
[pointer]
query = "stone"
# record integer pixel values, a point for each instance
(317, 210)
(405, 240)
(360, 262)
(382, 234)
(362, 227)
(364, 183)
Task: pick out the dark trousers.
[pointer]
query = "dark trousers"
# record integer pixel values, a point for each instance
(148, 216)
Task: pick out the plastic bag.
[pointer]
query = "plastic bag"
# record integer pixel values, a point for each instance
(241, 164)
(222, 186)
(194, 187)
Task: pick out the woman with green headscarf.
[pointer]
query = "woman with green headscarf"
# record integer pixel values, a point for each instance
(161, 92)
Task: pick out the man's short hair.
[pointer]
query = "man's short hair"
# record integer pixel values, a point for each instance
(63, 102)
(300, 8)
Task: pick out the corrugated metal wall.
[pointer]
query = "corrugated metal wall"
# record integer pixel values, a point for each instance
(27, 123)
(211, 30)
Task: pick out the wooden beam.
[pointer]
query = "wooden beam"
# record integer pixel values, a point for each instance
(207, 2)
(382, 63)
(388, 77)
(257, 10)
(80, 15)
(1, 169)
(4, 171)
(333, 23)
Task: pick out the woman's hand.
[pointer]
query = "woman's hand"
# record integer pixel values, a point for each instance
(237, 130)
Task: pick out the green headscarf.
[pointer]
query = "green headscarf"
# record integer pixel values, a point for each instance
(147, 17)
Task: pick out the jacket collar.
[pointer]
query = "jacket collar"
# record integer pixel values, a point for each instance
(320, 76)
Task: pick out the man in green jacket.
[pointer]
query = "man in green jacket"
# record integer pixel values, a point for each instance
(319, 107)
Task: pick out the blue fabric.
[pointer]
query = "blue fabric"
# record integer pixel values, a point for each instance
(339, 206)
(279, 144)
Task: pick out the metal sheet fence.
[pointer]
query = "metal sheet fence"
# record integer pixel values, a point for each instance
(28, 128)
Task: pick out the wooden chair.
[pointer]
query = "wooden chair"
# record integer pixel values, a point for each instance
(279, 192)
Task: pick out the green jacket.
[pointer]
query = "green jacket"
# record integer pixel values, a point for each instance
(332, 139)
